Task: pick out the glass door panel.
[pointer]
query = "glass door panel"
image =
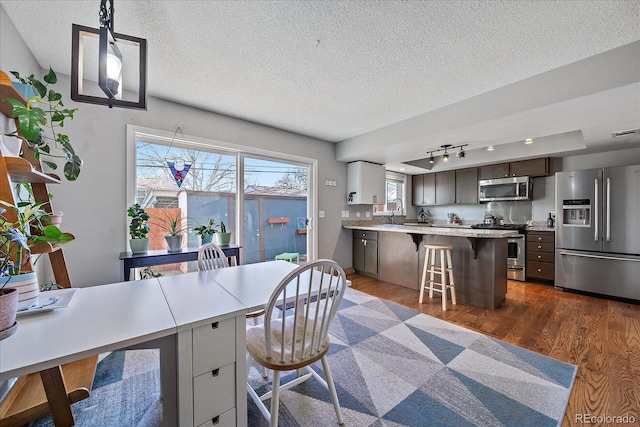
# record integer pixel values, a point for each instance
(275, 209)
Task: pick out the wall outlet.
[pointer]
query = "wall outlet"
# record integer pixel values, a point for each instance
(367, 214)
(321, 214)
(330, 183)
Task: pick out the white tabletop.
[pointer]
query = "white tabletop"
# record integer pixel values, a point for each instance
(194, 298)
(99, 319)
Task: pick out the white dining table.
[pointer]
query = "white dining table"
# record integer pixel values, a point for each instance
(155, 312)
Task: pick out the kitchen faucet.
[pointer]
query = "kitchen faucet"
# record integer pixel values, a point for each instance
(393, 211)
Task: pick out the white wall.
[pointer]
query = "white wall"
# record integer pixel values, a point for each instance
(95, 205)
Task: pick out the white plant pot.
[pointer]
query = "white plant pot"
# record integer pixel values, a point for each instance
(174, 243)
(139, 246)
(27, 286)
(10, 146)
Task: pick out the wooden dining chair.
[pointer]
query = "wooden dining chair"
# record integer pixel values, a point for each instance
(295, 332)
(211, 257)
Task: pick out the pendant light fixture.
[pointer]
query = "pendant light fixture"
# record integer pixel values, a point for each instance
(109, 63)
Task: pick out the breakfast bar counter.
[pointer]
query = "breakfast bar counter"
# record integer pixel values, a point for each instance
(479, 258)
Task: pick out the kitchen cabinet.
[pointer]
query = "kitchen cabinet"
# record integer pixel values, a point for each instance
(532, 168)
(467, 186)
(365, 252)
(445, 188)
(424, 189)
(457, 186)
(540, 255)
(366, 183)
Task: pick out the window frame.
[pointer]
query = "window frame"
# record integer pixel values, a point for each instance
(398, 178)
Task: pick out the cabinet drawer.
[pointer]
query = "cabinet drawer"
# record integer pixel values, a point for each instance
(541, 256)
(214, 393)
(541, 270)
(227, 419)
(539, 247)
(540, 237)
(363, 234)
(214, 345)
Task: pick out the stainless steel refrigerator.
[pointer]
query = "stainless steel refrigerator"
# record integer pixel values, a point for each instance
(598, 231)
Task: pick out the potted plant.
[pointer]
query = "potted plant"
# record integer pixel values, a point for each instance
(138, 229)
(39, 121)
(223, 237)
(16, 240)
(174, 228)
(206, 232)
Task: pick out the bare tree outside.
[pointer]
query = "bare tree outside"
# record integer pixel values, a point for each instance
(296, 180)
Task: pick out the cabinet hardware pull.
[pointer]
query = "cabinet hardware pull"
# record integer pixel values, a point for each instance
(539, 256)
(214, 325)
(539, 270)
(215, 420)
(215, 372)
(539, 247)
(539, 238)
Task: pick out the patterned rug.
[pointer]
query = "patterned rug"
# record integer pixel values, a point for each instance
(397, 367)
(392, 367)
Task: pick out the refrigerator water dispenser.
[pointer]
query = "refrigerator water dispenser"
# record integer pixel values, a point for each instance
(576, 213)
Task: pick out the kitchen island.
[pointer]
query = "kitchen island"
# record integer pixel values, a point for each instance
(479, 258)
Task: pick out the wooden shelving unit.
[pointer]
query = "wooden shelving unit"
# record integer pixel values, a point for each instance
(55, 389)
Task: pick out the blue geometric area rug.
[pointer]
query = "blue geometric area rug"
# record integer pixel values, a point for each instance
(126, 392)
(393, 366)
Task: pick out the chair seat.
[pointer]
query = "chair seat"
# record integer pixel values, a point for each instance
(302, 357)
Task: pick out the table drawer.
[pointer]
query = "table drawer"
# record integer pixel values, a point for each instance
(539, 247)
(214, 345)
(541, 270)
(227, 419)
(541, 256)
(540, 237)
(214, 393)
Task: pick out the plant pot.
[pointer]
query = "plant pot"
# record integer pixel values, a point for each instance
(174, 243)
(10, 146)
(139, 246)
(223, 239)
(27, 286)
(206, 239)
(8, 310)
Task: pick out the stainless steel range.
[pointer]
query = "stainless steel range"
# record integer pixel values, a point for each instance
(516, 260)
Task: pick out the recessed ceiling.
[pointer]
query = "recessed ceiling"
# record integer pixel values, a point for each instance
(386, 80)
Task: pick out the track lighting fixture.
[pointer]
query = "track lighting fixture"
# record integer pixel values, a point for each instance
(445, 156)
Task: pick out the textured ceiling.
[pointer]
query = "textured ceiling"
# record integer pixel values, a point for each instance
(387, 80)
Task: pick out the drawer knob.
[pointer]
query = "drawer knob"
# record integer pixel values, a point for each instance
(539, 270)
(539, 256)
(539, 247)
(539, 238)
(216, 372)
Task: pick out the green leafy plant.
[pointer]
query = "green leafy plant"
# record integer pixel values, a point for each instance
(17, 238)
(40, 120)
(223, 228)
(148, 273)
(173, 226)
(206, 230)
(138, 228)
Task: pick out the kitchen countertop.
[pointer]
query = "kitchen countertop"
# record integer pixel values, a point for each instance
(545, 228)
(452, 231)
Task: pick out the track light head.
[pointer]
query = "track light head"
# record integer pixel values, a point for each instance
(431, 159)
(461, 153)
(445, 156)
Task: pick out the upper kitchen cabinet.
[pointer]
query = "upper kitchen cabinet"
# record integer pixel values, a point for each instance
(532, 168)
(457, 186)
(445, 188)
(424, 189)
(467, 186)
(366, 183)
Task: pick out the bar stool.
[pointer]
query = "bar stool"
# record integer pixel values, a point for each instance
(444, 269)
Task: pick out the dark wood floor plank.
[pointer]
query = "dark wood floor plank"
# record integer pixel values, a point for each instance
(600, 336)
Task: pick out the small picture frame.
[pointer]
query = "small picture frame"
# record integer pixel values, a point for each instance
(302, 223)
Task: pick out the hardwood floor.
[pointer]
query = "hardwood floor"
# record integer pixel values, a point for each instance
(600, 336)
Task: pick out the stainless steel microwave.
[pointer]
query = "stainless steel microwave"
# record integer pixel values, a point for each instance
(492, 190)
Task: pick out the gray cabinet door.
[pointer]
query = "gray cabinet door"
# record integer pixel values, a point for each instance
(371, 257)
(467, 186)
(429, 189)
(358, 254)
(533, 167)
(445, 187)
(417, 185)
(500, 170)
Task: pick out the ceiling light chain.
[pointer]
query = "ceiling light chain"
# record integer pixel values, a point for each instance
(446, 147)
